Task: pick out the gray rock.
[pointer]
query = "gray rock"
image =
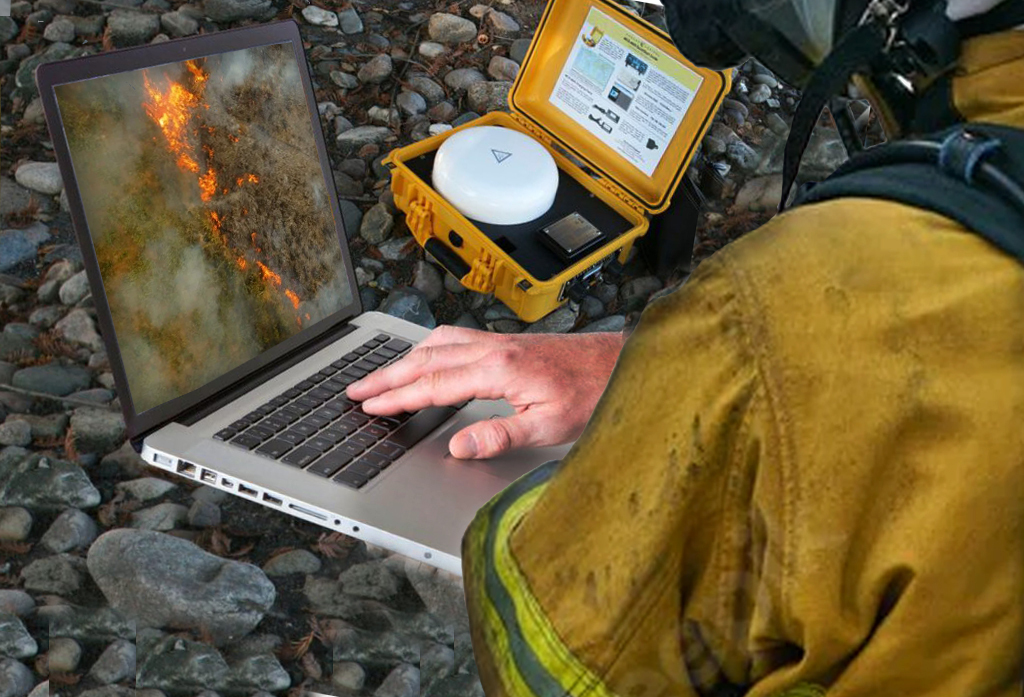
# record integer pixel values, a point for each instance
(8, 29)
(723, 133)
(370, 298)
(41, 690)
(760, 194)
(97, 430)
(61, 574)
(87, 26)
(371, 579)
(350, 21)
(25, 77)
(74, 289)
(346, 185)
(440, 591)
(465, 118)
(503, 69)
(72, 529)
(89, 625)
(431, 50)
(442, 112)
(235, 10)
(760, 94)
(411, 103)
(14, 197)
(15, 432)
(376, 70)
(7, 371)
(16, 680)
(384, 116)
(462, 685)
(503, 24)
(126, 461)
(403, 681)
(130, 28)
(116, 663)
(825, 152)
(461, 79)
(743, 156)
(411, 305)
(558, 322)
(398, 248)
(348, 675)
(38, 482)
(766, 79)
(451, 29)
(15, 641)
(346, 81)
(147, 488)
(351, 141)
(483, 97)
(437, 662)
(713, 146)
(426, 87)
(427, 280)
(177, 24)
(109, 691)
(64, 655)
(43, 177)
(162, 581)
(99, 395)
(46, 427)
(260, 672)
(208, 493)
(377, 224)
(372, 648)
(78, 328)
(518, 50)
(777, 124)
(612, 323)
(60, 29)
(15, 523)
(16, 602)
(591, 307)
(180, 666)
(295, 561)
(640, 288)
(203, 514)
(465, 662)
(351, 217)
(163, 516)
(319, 16)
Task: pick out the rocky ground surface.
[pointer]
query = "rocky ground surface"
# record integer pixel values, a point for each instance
(116, 577)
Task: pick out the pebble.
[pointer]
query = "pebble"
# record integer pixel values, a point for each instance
(760, 94)
(177, 24)
(403, 681)
(319, 16)
(440, 591)
(409, 304)
(376, 70)
(558, 322)
(97, 430)
(130, 28)
(61, 574)
(411, 103)
(89, 625)
(640, 288)
(501, 68)
(760, 194)
(15, 432)
(766, 79)
(296, 561)
(78, 327)
(64, 655)
(15, 641)
(371, 579)
(126, 462)
(377, 224)
(46, 317)
(483, 97)
(591, 307)
(116, 663)
(351, 217)
(348, 675)
(352, 140)
(15, 523)
(60, 29)
(460, 79)
(46, 427)
(398, 249)
(208, 493)
(203, 514)
(43, 177)
(43, 690)
(346, 81)
(429, 89)
(236, 10)
(503, 24)
(73, 529)
(713, 146)
(438, 128)
(346, 185)
(159, 580)
(16, 602)
(16, 679)
(777, 124)
(350, 21)
(427, 280)
(612, 323)
(451, 29)
(163, 516)
(8, 28)
(443, 112)
(38, 482)
(437, 662)
(431, 50)
(74, 289)
(743, 156)
(147, 488)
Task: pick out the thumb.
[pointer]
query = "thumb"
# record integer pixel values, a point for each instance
(490, 437)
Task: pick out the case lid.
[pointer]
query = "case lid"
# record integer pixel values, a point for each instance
(615, 91)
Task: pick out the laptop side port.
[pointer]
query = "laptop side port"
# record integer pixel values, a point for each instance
(307, 511)
(208, 476)
(187, 468)
(248, 491)
(272, 499)
(226, 482)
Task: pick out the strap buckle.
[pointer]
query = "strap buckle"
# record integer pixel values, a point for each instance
(962, 151)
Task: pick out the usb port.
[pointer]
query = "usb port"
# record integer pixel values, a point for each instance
(243, 489)
(208, 476)
(226, 482)
(272, 499)
(186, 468)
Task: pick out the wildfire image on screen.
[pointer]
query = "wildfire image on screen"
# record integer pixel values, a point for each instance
(208, 210)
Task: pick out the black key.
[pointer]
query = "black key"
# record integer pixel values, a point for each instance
(301, 456)
(350, 357)
(305, 385)
(388, 422)
(351, 479)
(305, 403)
(376, 460)
(386, 352)
(362, 439)
(265, 409)
(354, 372)
(340, 363)
(291, 393)
(317, 421)
(361, 467)
(333, 386)
(347, 429)
(422, 423)
(334, 434)
(397, 345)
(365, 365)
(260, 432)
(246, 441)
(401, 416)
(275, 448)
(343, 379)
(304, 428)
(319, 443)
(290, 413)
(320, 395)
(325, 466)
(347, 449)
(361, 350)
(372, 343)
(389, 450)
(278, 401)
(241, 424)
(355, 418)
(381, 338)
(328, 371)
(293, 437)
(376, 431)
(225, 433)
(253, 416)
(328, 412)
(343, 403)
(374, 359)
(274, 423)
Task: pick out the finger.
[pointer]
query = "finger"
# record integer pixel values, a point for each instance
(492, 437)
(439, 388)
(420, 361)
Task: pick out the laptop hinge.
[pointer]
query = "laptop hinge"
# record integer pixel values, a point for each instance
(228, 394)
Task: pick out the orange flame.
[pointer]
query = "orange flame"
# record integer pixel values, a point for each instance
(232, 138)
(241, 263)
(268, 274)
(172, 111)
(293, 297)
(208, 185)
(197, 72)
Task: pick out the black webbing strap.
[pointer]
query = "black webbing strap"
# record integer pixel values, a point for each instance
(973, 174)
(1006, 15)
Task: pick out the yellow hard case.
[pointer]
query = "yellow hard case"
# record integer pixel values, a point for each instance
(479, 262)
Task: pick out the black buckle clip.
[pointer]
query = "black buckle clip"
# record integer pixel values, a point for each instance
(962, 152)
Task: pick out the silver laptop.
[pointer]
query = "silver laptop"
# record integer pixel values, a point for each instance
(202, 196)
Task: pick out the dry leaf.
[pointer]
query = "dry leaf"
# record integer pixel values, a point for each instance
(11, 547)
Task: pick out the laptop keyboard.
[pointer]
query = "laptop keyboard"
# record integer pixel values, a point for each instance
(314, 427)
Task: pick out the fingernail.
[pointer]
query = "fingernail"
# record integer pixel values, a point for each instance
(469, 446)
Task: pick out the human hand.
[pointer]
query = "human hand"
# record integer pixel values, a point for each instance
(553, 381)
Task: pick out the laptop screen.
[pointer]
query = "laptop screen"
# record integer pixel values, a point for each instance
(208, 210)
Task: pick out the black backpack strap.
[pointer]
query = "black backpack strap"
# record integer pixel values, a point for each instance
(973, 174)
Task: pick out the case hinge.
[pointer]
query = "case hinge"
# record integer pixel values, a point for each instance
(622, 196)
(537, 133)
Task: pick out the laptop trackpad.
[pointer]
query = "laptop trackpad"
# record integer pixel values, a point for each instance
(508, 466)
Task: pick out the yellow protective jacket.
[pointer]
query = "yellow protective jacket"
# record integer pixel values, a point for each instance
(808, 468)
